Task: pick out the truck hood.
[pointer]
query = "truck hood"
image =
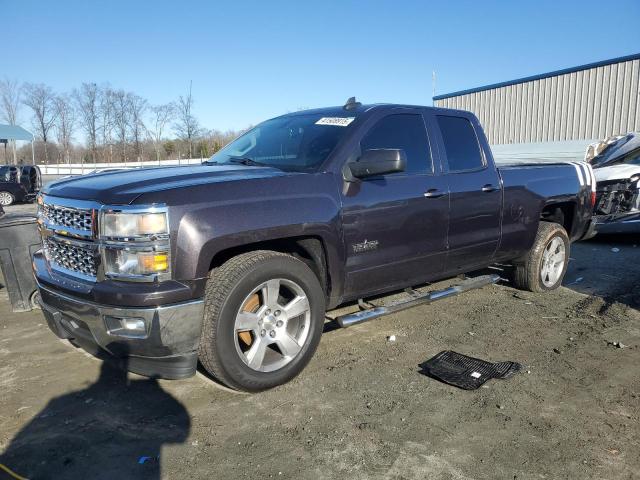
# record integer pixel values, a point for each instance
(123, 187)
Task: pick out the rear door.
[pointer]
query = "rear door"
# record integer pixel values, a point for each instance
(395, 225)
(475, 193)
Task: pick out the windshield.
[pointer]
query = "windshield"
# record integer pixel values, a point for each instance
(632, 158)
(298, 143)
(623, 149)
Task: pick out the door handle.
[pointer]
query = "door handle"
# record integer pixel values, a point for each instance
(489, 188)
(433, 193)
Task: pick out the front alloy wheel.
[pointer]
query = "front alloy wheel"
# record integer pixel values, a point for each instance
(272, 325)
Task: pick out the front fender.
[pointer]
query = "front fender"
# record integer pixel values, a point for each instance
(206, 229)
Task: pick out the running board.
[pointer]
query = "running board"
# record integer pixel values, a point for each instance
(365, 315)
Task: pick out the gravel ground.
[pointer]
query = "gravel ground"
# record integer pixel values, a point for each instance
(361, 409)
(21, 208)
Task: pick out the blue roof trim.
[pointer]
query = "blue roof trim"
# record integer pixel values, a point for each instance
(635, 56)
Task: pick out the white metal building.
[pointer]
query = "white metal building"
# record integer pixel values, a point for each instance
(572, 106)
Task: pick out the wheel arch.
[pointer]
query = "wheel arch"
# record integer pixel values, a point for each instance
(316, 251)
(562, 213)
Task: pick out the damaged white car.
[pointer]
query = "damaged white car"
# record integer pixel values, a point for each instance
(616, 165)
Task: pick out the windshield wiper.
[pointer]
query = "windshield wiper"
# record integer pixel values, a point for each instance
(246, 161)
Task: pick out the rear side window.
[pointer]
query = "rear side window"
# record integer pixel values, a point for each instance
(460, 143)
(402, 131)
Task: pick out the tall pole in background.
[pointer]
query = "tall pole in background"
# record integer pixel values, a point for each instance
(190, 144)
(433, 86)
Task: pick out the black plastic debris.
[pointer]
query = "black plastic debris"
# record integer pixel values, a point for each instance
(466, 372)
(19, 240)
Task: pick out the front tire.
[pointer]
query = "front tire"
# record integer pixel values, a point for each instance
(543, 268)
(263, 319)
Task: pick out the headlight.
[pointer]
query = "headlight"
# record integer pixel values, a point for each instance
(40, 204)
(133, 263)
(133, 225)
(135, 243)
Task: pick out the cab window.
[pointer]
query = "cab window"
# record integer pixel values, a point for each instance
(402, 131)
(460, 144)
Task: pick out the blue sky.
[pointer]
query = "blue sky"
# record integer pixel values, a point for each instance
(251, 60)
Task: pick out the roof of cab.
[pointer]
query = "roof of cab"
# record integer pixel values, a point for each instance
(340, 111)
(332, 111)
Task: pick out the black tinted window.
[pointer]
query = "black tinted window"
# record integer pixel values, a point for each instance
(460, 143)
(8, 174)
(402, 131)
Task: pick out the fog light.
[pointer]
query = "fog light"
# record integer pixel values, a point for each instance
(130, 327)
(134, 324)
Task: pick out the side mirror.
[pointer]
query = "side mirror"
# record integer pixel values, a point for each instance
(379, 162)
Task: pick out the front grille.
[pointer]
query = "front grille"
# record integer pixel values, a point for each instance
(72, 257)
(76, 218)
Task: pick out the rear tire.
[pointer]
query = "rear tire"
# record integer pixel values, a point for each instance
(263, 318)
(6, 198)
(544, 267)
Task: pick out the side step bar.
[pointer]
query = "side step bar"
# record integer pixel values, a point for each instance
(365, 315)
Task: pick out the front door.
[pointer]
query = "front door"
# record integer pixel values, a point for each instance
(395, 225)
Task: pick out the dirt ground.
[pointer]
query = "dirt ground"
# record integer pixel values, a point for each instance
(361, 409)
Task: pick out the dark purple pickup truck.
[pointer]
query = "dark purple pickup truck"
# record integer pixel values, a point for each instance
(234, 262)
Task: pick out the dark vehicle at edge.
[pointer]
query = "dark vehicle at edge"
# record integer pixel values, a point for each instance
(616, 166)
(19, 183)
(235, 262)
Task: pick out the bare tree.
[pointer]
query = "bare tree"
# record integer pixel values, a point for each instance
(10, 92)
(87, 102)
(113, 124)
(107, 122)
(138, 107)
(121, 118)
(161, 116)
(65, 124)
(40, 99)
(187, 127)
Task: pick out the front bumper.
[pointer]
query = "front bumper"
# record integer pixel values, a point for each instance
(167, 348)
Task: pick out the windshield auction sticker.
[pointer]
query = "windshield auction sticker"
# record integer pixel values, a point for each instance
(336, 121)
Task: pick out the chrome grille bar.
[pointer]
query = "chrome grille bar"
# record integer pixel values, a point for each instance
(71, 257)
(68, 230)
(75, 218)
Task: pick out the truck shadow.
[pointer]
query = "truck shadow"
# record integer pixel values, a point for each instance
(114, 428)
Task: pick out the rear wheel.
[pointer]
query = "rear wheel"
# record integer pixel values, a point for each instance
(264, 313)
(543, 268)
(6, 198)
